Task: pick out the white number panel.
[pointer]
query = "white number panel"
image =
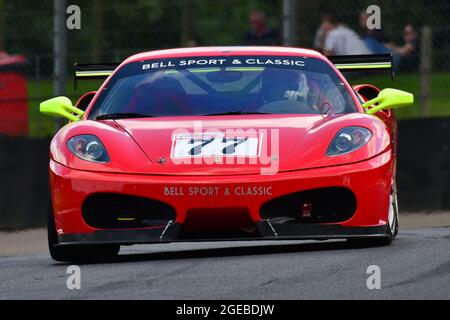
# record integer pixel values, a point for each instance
(215, 145)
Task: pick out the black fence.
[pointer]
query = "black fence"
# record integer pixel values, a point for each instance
(424, 164)
(24, 187)
(423, 176)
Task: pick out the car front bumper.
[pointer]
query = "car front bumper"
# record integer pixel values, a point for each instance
(369, 181)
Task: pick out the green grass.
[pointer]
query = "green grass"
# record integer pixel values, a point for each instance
(43, 126)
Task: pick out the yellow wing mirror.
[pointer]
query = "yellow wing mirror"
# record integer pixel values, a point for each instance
(61, 107)
(389, 99)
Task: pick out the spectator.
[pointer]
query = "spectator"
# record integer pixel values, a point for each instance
(374, 39)
(319, 40)
(260, 33)
(339, 39)
(409, 52)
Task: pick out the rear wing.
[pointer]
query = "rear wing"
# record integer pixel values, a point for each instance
(364, 63)
(351, 63)
(93, 71)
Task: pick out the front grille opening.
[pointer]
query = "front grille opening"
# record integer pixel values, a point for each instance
(325, 205)
(218, 223)
(112, 211)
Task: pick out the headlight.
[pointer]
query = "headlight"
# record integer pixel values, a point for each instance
(348, 139)
(88, 147)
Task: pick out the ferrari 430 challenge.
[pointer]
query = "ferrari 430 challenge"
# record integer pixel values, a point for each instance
(223, 143)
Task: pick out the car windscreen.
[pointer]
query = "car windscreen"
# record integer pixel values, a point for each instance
(221, 85)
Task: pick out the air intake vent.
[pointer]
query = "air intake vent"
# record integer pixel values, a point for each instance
(111, 211)
(324, 205)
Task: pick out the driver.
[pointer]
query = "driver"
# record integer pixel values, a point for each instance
(285, 91)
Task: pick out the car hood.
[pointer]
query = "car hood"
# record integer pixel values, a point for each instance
(285, 142)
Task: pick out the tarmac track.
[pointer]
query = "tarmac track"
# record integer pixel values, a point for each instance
(415, 266)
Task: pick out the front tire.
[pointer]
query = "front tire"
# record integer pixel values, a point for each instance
(76, 253)
(391, 228)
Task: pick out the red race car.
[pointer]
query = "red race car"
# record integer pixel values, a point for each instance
(220, 143)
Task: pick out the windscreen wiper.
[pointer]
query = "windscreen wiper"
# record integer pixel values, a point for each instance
(123, 115)
(232, 113)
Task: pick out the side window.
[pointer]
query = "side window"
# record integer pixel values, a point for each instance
(366, 92)
(360, 98)
(85, 99)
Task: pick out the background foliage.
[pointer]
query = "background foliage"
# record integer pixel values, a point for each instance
(112, 30)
